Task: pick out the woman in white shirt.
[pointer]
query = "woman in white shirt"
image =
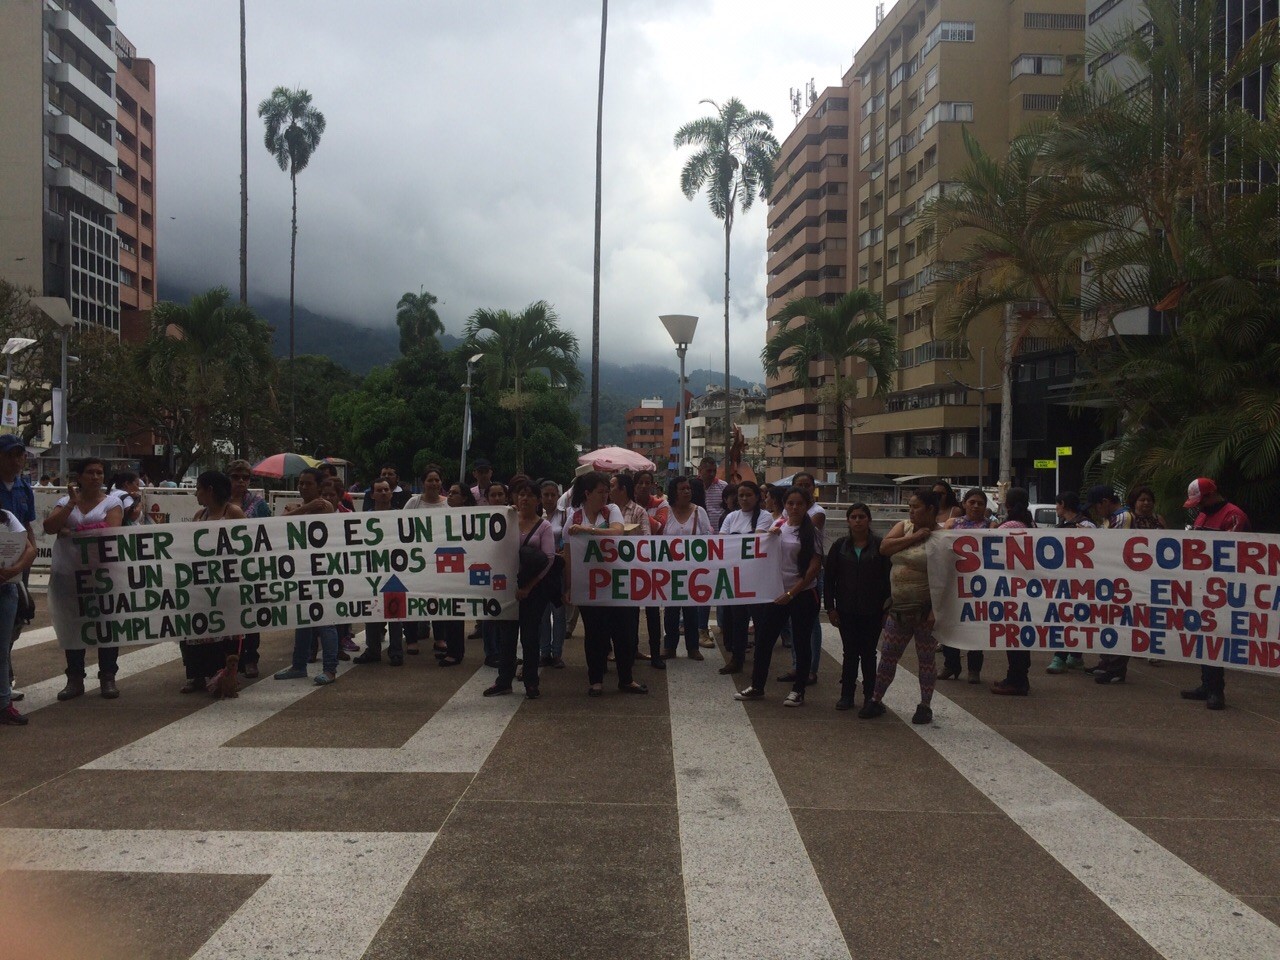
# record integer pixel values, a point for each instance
(431, 498)
(87, 506)
(750, 517)
(592, 515)
(684, 519)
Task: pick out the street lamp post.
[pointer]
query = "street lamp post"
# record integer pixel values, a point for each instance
(680, 327)
(59, 311)
(15, 345)
(466, 419)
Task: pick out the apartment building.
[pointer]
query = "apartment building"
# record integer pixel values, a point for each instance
(706, 423)
(58, 154)
(810, 254)
(651, 432)
(135, 186)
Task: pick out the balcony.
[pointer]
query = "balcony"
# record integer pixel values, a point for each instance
(69, 179)
(78, 35)
(106, 8)
(65, 75)
(960, 466)
(84, 138)
(949, 417)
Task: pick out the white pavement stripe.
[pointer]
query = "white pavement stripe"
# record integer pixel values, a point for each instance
(39, 695)
(458, 738)
(327, 896)
(1179, 911)
(31, 638)
(750, 888)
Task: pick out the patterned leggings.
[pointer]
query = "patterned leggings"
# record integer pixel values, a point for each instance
(893, 645)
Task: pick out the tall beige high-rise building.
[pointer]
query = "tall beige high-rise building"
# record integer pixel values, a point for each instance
(58, 155)
(931, 69)
(136, 185)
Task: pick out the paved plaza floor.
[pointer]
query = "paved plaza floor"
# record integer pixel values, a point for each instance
(398, 814)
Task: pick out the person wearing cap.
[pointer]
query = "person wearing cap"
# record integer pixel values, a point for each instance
(1218, 515)
(483, 472)
(19, 501)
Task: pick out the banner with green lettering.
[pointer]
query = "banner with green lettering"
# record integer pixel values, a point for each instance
(191, 580)
(656, 571)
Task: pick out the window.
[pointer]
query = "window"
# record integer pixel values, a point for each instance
(931, 78)
(1102, 11)
(872, 105)
(866, 141)
(1041, 102)
(949, 31)
(897, 445)
(926, 445)
(1053, 21)
(880, 134)
(957, 444)
(893, 257)
(867, 238)
(1036, 64)
(945, 112)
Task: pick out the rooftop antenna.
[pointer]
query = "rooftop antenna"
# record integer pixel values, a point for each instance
(813, 92)
(796, 108)
(879, 13)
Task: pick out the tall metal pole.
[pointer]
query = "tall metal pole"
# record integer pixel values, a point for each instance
(8, 375)
(681, 350)
(595, 285)
(1006, 405)
(66, 427)
(466, 423)
(982, 416)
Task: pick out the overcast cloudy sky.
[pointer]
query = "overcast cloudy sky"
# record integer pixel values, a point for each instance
(459, 152)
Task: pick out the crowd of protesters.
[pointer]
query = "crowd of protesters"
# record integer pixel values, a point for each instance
(875, 590)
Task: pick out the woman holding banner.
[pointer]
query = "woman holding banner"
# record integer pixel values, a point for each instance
(635, 523)
(799, 542)
(685, 519)
(204, 657)
(591, 514)
(974, 518)
(1017, 681)
(910, 606)
(87, 507)
(431, 498)
(749, 517)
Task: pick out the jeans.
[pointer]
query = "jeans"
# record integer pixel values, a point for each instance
(8, 611)
(689, 617)
(704, 618)
(858, 636)
(800, 613)
(492, 636)
(527, 633)
(815, 647)
(973, 659)
(375, 633)
(552, 632)
(737, 633)
(107, 657)
(1019, 667)
(302, 640)
(653, 623)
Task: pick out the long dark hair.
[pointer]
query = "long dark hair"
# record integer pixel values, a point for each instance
(1016, 504)
(584, 485)
(807, 534)
(754, 488)
(947, 498)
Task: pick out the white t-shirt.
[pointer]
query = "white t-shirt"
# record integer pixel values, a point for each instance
(97, 517)
(417, 503)
(606, 518)
(789, 547)
(13, 524)
(698, 524)
(739, 521)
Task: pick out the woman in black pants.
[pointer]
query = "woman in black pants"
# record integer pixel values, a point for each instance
(796, 538)
(591, 514)
(856, 588)
(531, 593)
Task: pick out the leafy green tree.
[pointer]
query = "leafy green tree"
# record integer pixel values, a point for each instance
(292, 135)
(853, 328)
(734, 157)
(517, 344)
(319, 380)
(417, 319)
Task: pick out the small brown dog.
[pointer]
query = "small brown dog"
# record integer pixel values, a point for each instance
(225, 684)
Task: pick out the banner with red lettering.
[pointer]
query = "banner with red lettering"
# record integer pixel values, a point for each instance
(674, 571)
(1195, 596)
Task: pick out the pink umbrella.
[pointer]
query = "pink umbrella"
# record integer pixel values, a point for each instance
(613, 459)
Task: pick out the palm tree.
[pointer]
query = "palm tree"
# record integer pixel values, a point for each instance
(417, 319)
(734, 159)
(853, 328)
(244, 167)
(595, 265)
(516, 344)
(293, 131)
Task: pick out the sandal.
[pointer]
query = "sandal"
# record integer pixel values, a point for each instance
(595, 692)
(448, 662)
(634, 688)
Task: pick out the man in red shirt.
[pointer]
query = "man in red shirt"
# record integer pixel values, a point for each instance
(1218, 515)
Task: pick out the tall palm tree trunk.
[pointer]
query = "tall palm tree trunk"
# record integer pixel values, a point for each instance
(519, 429)
(244, 167)
(293, 374)
(842, 456)
(728, 427)
(595, 285)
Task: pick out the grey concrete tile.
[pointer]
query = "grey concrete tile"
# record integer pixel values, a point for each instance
(1242, 856)
(115, 916)
(917, 887)
(542, 881)
(1151, 746)
(166, 800)
(1179, 792)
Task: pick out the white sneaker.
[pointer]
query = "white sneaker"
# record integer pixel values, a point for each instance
(749, 693)
(794, 700)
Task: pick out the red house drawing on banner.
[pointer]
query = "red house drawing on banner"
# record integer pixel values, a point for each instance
(481, 574)
(451, 560)
(395, 604)
(499, 582)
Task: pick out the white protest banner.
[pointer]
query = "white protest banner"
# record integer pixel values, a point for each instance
(159, 505)
(192, 580)
(1194, 596)
(635, 571)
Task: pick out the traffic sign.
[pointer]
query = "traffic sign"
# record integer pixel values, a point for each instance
(1046, 464)
(1064, 451)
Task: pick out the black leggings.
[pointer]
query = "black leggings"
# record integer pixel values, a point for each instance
(973, 658)
(610, 626)
(203, 660)
(858, 636)
(525, 634)
(801, 613)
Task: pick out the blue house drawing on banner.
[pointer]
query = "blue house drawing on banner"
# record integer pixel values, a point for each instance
(451, 560)
(481, 574)
(499, 582)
